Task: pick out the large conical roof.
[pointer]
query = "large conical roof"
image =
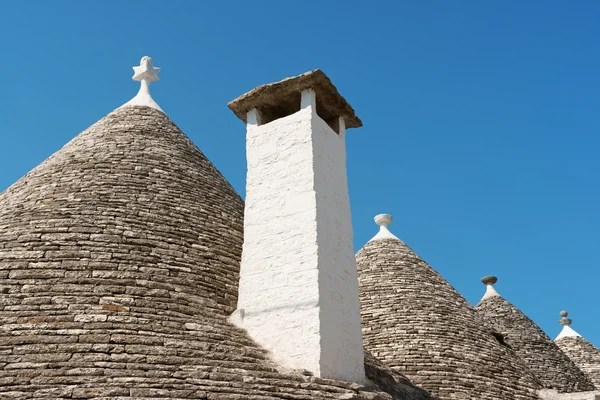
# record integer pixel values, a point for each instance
(119, 263)
(583, 353)
(543, 357)
(418, 324)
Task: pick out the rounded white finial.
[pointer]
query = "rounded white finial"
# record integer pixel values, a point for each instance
(489, 281)
(146, 73)
(383, 220)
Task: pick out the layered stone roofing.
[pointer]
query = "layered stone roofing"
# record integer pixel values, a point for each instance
(119, 266)
(543, 357)
(419, 325)
(584, 354)
(119, 269)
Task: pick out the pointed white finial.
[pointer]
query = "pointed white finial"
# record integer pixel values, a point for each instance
(567, 331)
(489, 281)
(383, 220)
(146, 73)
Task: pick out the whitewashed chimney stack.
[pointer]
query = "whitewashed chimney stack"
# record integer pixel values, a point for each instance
(298, 292)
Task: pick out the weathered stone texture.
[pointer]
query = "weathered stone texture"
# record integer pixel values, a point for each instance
(551, 394)
(278, 99)
(119, 264)
(584, 354)
(392, 381)
(543, 357)
(415, 322)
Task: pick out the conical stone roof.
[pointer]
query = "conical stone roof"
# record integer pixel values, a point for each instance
(543, 357)
(583, 353)
(418, 324)
(119, 263)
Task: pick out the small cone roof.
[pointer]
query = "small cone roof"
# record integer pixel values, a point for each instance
(583, 353)
(543, 357)
(418, 324)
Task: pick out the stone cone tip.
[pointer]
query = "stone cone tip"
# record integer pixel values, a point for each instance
(564, 321)
(489, 281)
(383, 221)
(145, 73)
(567, 331)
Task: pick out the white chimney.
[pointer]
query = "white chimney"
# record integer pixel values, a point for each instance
(298, 293)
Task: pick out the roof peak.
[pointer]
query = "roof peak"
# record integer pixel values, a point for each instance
(490, 291)
(383, 221)
(145, 73)
(548, 363)
(567, 331)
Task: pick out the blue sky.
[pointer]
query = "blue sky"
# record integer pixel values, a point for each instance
(480, 118)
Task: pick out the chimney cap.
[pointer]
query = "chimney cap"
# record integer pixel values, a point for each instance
(283, 96)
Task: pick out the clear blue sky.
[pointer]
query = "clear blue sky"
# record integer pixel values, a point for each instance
(481, 131)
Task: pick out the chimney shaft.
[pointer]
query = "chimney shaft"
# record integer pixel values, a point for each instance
(298, 293)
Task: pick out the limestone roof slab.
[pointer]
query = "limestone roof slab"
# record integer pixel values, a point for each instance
(283, 98)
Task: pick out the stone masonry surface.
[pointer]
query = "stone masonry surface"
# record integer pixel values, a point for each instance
(584, 354)
(119, 262)
(551, 394)
(419, 325)
(543, 357)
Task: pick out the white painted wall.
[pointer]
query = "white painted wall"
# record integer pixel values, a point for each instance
(298, 285)
(341, 333)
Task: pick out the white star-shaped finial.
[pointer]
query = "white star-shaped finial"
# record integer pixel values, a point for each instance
(146, 73)
(146, 70)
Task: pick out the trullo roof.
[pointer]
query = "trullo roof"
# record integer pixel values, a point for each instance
(543, 357)
(584, 354)
(418, 324)
(119, 263)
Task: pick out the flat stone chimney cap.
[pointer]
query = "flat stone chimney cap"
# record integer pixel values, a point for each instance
(283, 98)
